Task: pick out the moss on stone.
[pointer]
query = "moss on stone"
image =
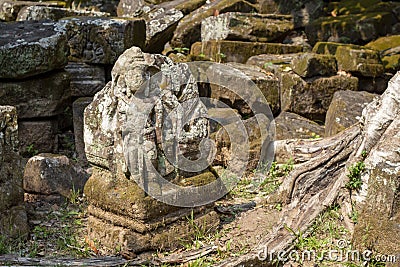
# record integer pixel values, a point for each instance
(199, 180)
(384, 43)
(330, 47)
(240, 52)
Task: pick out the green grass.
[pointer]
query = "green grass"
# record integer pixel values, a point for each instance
(355, 171)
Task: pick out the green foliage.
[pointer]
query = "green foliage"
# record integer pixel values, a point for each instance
(354, 176)
(31, 150)
(182, 50)
(315, 136)
(364, 154)
(267, 64)
(272, 180)
(3, 245)
(354, 216)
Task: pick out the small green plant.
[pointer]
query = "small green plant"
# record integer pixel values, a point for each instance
(315, 136)
(220, 56)
(267, 64)
(74, 196)
(202, 55)
(182, 50)
(354, 176)
(278, 207)
(3, 245)
(364, 154)
(272, 180)
(31, 150)
(354, 216)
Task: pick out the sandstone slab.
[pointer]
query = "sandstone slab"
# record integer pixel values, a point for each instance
(39, 12)
(13, 222)
(345, 110)
(303, 12)
(354, 28)
(37, 136)
(38, 97)
(49, 174)
(31, 48)
(78, 108)
(312, 98)
(389, 47)
(292, 126)
(240, 52)
(265, 60)
(246, 27)
(364, 62)
(188, 30)
(86, 79)
(9, 9)
(102, 40)
(160, 26)
(310, 64)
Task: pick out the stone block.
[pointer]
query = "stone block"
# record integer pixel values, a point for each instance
(13, 219)
(388, 46)
(54, 13)
(37, 136)
(354, 28)
(265, 60)
(86, 79)
(31, 48)
(102, 40)
(310, 64)
(188, 30)
(345, 110)
(364, 62)
(38, 97)
(292, 126)
(246, 27)
(268, 84)
(78, 108)
(9, 9)
(240, 52)
(49, 174)
(311, 98)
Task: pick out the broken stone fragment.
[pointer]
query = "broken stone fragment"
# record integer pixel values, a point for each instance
(9, 9)
(37, 97)
(311, 98)
(345, 110)
(303, 12)
(355, 28)
(265, 60)
(31, 48)
(54, 13)
(292, 126)
(240, 52)
(49, 174)
(13, 219)
(188, 30)
(86, 79)
(310, 64)
(246, 27)
(364, 62)
(160, 26)
(389, 47)
(37, 136)
(78, 108)
(329, 48)
(102, 40)
(267, 83)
